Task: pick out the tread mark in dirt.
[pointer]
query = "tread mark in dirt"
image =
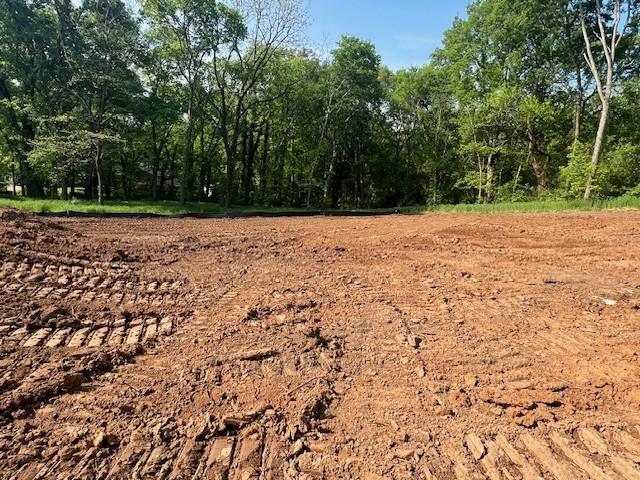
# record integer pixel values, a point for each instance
(559, 455)
(88, 285)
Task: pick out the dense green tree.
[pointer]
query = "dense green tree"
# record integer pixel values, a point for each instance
(27, 73)
(103, 81)
(424, 138)
(188, 33)
(355, 72)
(239, 72)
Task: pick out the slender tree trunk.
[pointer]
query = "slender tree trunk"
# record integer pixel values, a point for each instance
(156, 162)
(230, 142)
(64, 183)
(579, 109)
(597, 149)
(253, 146)
(204, 160)
(539, 167)
(99, 175)
(73, 181)
(332, 167)
(481, 172)
(207, 184)
(263, 164)
(293, 188)
(517, 178)
(488, 194)
(231, 171)
(244, 154)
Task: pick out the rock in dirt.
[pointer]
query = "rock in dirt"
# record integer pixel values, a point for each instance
(475, 446)
(257, 354)
(100, 440)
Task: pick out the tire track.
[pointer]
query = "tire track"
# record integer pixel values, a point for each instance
(557, 455)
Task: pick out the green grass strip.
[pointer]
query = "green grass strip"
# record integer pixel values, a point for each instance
(174, 208)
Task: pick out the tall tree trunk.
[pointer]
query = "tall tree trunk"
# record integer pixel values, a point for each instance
(99, 174)
(539, 167)
(254, 144)
(481, 173)
(156, 162)
(73, 181)
(244, 154)
(579, 107)
(207, 182)
(230, 141)
(331, 172)
(597, 149)
(231, 171)
(490, 168)
(263, 165)
(13, 179)
(64, 183)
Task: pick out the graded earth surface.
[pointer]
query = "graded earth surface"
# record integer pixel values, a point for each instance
(433, 346)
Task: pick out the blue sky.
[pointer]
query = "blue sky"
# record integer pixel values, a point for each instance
(405, 32)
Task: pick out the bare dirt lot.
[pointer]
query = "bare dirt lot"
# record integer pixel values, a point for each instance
(431, 346)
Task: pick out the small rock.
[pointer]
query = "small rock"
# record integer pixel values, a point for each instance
(72, 381)
(100, 440)
(405, 453)
(198, 428)
(475, 446)
(606, 301)
(297, 448)
(27, 451)
(50, 452)
(127, 408)
(471, 381)
(237, 420)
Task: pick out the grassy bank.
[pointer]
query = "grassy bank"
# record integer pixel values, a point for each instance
(174, 208)
(619, 203)
(121, 206)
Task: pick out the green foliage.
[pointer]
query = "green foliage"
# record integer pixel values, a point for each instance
(620, 170)
(574, 175)
(216, 101)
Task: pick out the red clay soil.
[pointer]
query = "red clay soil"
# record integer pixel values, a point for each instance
(428, 346)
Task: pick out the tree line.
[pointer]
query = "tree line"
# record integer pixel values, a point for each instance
(204, 100)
